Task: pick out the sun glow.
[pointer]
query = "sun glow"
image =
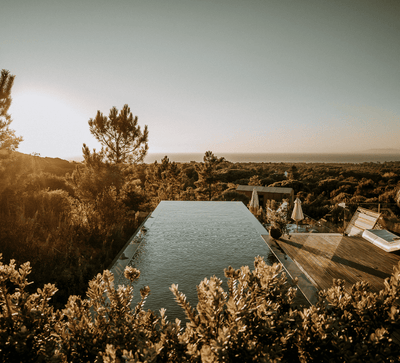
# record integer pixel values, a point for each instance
(49, 125)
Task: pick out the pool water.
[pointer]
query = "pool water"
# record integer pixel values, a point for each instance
(186, 241)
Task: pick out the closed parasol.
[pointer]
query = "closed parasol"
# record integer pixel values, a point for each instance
(297, 214)
(254, 204)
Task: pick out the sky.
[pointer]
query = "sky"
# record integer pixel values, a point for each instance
(245, 76)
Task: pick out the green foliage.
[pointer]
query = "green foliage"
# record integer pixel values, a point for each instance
(277, 217)
(28, 325)
(68, 230)
(244, 324)
(106, 317)
(253, 321)
(293, 173)
(233, 174)
(8, 140)
(94, 178)
(164, 181)
(255, 180)
(207, 175)
(320, 186)
(120, 135)
(36, 182)
(71, 228)
(353, 326)
(106, 196)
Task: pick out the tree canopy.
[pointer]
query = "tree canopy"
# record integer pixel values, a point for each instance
(121, 137)
(206, 171)
(8, 140)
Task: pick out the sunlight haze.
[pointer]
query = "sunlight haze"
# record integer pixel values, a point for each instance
(226, 75)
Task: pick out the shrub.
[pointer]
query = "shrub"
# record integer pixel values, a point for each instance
(253, 321)
(28, 325)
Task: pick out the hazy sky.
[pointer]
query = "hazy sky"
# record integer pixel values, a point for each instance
(220, 75)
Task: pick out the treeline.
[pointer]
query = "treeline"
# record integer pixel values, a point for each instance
(370, 185)
(252, 321)
(320, 187)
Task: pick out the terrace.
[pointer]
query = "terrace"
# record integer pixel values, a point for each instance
(182, 242)
(323, 257)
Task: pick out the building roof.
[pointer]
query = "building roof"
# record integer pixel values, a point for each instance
(260, 189)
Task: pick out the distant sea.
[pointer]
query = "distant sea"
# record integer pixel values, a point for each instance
(280, 157)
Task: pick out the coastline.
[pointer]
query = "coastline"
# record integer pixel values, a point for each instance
(354, 158)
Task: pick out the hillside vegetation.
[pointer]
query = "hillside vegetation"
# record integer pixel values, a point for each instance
(70, 219)
(62, 224)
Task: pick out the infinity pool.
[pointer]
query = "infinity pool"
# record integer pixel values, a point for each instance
(183, 242)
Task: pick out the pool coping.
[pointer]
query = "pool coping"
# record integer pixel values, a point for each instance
(125, 255)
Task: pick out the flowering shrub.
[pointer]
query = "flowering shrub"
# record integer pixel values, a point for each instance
(278, 219)
(28, 325)
(253, 321)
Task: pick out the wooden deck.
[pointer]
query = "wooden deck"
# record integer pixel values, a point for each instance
(324, 257)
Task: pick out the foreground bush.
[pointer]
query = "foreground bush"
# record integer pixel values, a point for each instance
(251, 322)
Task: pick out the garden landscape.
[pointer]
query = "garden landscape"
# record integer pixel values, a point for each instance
(62, 223)
(199, 181)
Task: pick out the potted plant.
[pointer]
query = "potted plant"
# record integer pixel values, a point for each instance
(277, 218)
(275, 232)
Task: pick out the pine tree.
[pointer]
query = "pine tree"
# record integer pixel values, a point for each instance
(163, 180)
(8, 140)
(120, 135)
(206, 171)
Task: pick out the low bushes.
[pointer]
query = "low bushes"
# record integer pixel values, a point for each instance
(253, 321)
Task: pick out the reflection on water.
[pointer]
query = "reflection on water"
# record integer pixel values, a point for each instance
(188, 241)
